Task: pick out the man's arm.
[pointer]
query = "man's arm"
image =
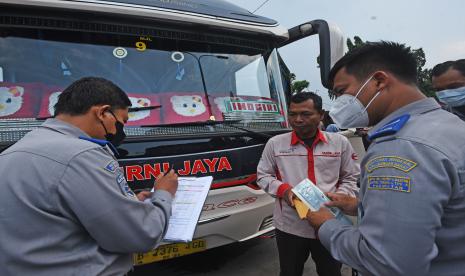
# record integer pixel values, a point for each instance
(402, 207)
(267, 173)
(97, 194)
(349, 172)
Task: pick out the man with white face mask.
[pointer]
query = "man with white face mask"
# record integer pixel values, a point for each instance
(449, 83)
(411, 204)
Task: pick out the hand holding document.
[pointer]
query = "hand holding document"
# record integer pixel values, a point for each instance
(301, 208)
(313, 198)
(187, 205)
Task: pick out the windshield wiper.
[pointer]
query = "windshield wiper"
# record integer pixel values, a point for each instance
(212, 123)
(199, 123)
(131, 109)
(43, 118)
(135, 109)
(263, 135)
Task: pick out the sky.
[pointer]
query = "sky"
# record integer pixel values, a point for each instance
(436, 26)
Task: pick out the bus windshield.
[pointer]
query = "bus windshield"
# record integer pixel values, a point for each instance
(186, 81)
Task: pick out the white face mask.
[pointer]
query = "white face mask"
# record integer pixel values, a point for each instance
(452, 97)
(349, 112)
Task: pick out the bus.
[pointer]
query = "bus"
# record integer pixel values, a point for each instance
(207, 85)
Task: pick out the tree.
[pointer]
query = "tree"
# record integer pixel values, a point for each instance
(357, 43)
(424, 74)
(298, 86)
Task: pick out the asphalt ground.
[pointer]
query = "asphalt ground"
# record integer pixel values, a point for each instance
(255, 257)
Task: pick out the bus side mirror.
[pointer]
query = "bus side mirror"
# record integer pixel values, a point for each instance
(332, 43)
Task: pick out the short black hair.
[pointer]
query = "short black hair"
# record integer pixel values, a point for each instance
(441, 68)
(84, 93)
(383, 55)
(304, 96)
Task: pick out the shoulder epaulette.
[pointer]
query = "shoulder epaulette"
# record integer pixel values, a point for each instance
(390, 128)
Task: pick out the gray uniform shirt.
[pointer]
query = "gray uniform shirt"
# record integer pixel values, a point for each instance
(65, 208)
(412, 198)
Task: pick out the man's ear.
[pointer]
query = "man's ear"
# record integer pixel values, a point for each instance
(100, 111)
(383, 79)
(322, 115)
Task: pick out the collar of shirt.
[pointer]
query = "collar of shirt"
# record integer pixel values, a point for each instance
(68, 129)
(319, 136)
(414, 108)
(64, 128)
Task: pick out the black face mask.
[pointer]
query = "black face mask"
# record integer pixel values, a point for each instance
(117, 137)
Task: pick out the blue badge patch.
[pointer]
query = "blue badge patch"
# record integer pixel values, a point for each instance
(123, 185)
(390, 128)
(128, 191)
(394, 162)
(394, 183)
(120, 178)
(112, 166)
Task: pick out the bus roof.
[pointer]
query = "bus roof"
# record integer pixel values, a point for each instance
(217, 8)
(218, 13)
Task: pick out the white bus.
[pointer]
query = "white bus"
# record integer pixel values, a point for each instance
(205, 78)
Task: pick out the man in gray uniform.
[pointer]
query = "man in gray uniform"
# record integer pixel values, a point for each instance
(65, 206)
(412, 194)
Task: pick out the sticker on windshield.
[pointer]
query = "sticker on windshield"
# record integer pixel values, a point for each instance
(11, 100)
(188, 105)
(142, 114)
(223, 102)
(120, 52)
(252, 106)
(141, 46)
(52, 100)
(177, 57)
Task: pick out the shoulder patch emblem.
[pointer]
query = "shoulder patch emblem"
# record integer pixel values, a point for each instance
(123, 185)
(120, 179)
(393, 183)
(112, 166)
(390, 128)
(394, 162)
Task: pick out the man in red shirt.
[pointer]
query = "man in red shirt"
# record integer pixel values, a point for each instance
(327, 159)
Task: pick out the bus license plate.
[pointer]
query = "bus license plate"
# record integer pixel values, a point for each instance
(169, 251)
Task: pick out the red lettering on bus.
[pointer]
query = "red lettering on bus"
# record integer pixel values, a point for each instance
(134, 171)
(187, 168)
(211, 164)
(228, 204)
(198, 167)
(224, 165)
(151, 171)
(154, 170)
